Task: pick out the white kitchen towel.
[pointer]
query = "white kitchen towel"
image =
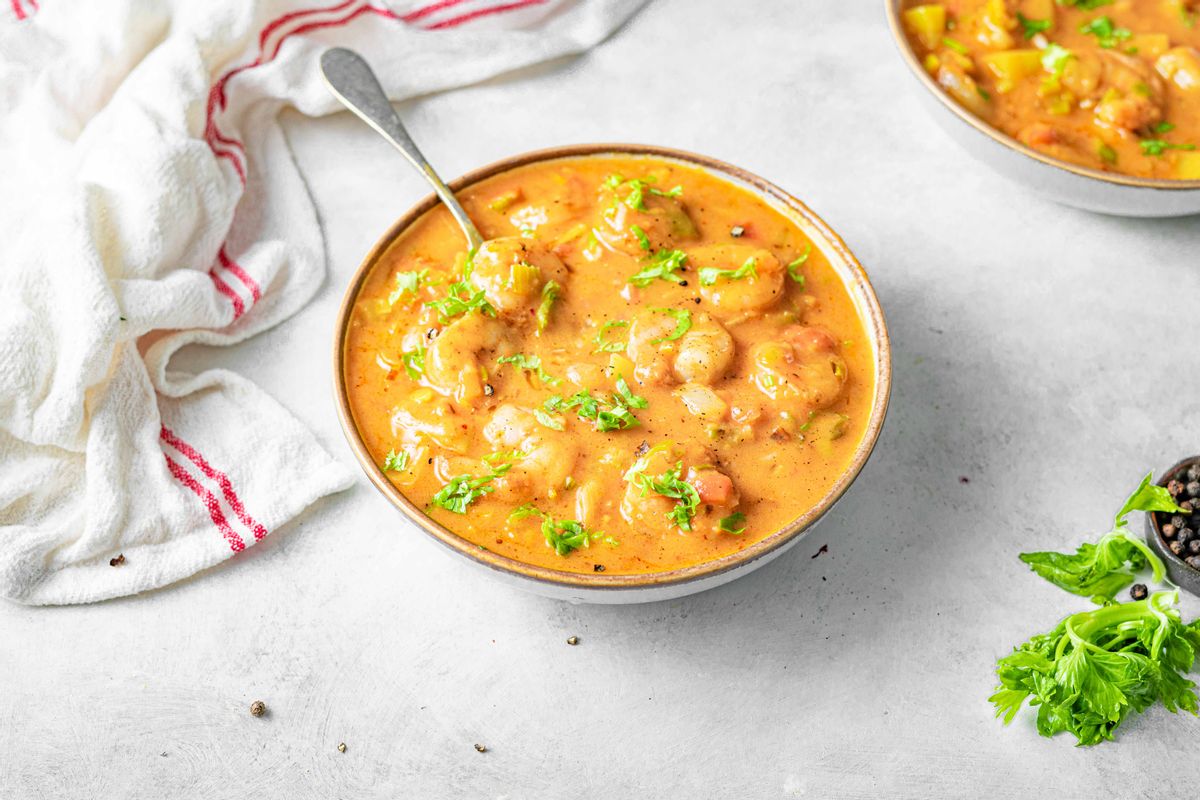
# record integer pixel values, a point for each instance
(148, 201)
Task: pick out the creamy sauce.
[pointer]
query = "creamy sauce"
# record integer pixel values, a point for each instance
(650, 375)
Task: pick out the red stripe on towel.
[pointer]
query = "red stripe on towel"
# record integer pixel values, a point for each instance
(210, 502)
(432, 8)
(16, 7)
(224, 288)
(221, 479)
(243, 276)
(484, 12)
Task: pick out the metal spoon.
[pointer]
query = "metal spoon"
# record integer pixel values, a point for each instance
(352, 82)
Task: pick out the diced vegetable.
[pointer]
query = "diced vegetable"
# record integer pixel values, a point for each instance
(927, 23)
(1187, 166)
(1010, 67)
(1148, 45)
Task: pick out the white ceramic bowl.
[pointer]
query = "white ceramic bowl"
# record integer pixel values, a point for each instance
(599, 587)
(1061, 181)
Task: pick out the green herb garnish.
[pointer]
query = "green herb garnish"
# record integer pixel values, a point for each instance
(1107, 34)
(1087, 674)
(609, 347)
(532, 364)
(414, 362)
(793, 268)
(1099, 570)
(406, 283)
(1156, 147)
(607, 415)
(730, 524)
(464, 490)
(1055, 58)
(565, 536)
(663, 265)
(1085, 5)
(462, 297)
(643, 240)
(551, 422)
(1033, 27)
(955, 45)
(710, 275)
(395, 462)
(683, 323)
(638, 189)
(670, 484)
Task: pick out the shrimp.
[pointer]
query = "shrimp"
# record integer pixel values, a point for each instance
(730, 296)
(415, 423)
(512, 272)
(628, 211)
(689, 474)
(1133, 95)
(544, 464)
(701, 355)
(799, 372)
(452, 363)
(1181, 66)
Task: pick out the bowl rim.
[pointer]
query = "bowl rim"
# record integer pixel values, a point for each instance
(896, 25)
(856, 282)
(1155, 528)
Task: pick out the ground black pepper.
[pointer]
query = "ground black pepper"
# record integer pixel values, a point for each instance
(1138, 591)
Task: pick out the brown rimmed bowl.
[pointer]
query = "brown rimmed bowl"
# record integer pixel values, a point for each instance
(599, 587)
(1061, 181)
(1179, 571)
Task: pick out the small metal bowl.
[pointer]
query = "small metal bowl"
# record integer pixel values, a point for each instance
(1061, 181)
(600, 588)
(1179, 571)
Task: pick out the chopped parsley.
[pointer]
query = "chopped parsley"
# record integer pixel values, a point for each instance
(1163, 127)
(406, 283)
(414, 362)
(532, 364)
(730, 524)
(1085, 5)
(683, 323)
(642, 238)
(663, 265)
(710, 275)
(395, 462)
(1055, 58)
(607, 414)
(638, 189)
(1033, 27)
(609, 347)
(670, 484)
(1156, 147)
(552, 422)
(464, 490)
(462, 297)
(550, 293)
(793, 268)
(1107, 34)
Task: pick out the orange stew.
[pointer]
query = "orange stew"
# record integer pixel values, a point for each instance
(1108, 84)
(644, 368)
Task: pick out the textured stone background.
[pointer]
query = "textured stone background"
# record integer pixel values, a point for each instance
(1039, 351)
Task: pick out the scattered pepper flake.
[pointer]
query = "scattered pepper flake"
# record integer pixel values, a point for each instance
(118, 561)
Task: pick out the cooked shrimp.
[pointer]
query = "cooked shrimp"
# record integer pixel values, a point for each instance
(416, 423)
(1132, 94)
(452, 363)
(701, 355)
(512, 272)
(801, 371)
(728, 296)
(545, 463)
(627, 211)
(643, 506)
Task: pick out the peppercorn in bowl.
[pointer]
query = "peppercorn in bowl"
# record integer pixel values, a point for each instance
(1094, 104)
(655, 375)
(1176, 536)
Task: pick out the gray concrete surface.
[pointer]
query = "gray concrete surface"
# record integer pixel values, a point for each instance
(1039, 352)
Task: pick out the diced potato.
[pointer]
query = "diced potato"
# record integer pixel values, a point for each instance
(1148, 45)
(1187, 166)
(963, 88)
(927, 23)
(994, 25)
(702, 402)
(1009, 67)
(1181, 66)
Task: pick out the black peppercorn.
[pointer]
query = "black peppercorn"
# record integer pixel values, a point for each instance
(1194, 547)
(1188, 506)
(1185, 535)
(737, 231)
(1176, 547)
(1193, 472)
(1168, 531)
(1193, 489)
(1174, 488)
(1178, 521)
(258, 708)
(1138, 591)
(1194, 562)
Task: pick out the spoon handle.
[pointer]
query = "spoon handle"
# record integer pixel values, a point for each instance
(354, 84)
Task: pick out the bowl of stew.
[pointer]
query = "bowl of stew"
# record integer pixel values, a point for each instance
(657, 373)
(1094, 103)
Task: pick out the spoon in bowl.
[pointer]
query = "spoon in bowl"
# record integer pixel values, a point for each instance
(352, 82)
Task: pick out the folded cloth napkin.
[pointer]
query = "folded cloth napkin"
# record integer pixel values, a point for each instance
(148, 201)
